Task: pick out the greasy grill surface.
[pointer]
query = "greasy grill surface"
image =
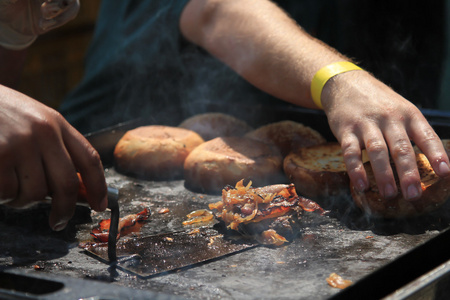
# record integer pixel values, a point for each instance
(151, 255)
(343, 242)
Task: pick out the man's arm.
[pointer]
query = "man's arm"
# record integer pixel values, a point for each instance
(261, 43)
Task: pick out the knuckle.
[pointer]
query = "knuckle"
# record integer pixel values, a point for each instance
(91, 161)
(356, 171)
(385, 174)
(401, 148)
(352, 159)
(375, 146)
(346, 145)
(409, 176)
(350, 149)
(429, 135)
(47, 124)
(46, 129)
(350, 152)
(93, 157)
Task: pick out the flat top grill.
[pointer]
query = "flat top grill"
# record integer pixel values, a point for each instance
(344, 241)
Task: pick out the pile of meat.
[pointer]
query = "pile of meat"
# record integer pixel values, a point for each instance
(271, 214)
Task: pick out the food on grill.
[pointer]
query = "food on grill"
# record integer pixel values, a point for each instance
(212, 125)
(216, 163)
(155, 152)
(163, 210)
(317, 171)
(435, 192)
(337, 281)
(271, 214)
(287, 135)
(128, 224)
(199, 216)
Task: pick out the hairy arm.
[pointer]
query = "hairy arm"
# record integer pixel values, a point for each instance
(261, 43)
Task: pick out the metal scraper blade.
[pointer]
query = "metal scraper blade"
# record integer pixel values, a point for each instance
(151, 255)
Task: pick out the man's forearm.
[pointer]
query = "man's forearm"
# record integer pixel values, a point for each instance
(260, 42)
(11, 65)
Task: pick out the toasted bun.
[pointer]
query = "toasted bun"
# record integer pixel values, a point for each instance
(226, 160)
(317, 171)
(212, 125)
(435, 192)
(155, 152)
(287, 135)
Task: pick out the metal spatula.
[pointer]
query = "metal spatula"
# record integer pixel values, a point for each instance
(151, 255)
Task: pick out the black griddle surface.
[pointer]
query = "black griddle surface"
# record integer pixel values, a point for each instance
(343, 241)
(147, 256)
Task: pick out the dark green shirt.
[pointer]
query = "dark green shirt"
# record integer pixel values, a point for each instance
(132, 66)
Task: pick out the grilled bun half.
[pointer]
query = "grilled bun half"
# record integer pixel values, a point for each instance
(155, 152)
(225, 160)
(212, 125)
(287, 135)
(317, 171)
(435, 192)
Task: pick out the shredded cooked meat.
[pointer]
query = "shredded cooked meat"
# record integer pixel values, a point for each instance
(199, 216)
(269, 214)
(128, 224)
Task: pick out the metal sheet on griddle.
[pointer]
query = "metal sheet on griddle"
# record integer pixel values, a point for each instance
(148, 256)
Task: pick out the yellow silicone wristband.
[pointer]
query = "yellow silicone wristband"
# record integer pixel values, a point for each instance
(324, 74)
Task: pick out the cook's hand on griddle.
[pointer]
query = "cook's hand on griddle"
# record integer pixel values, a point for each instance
(366, 114)
(363, 112)
(40, 154)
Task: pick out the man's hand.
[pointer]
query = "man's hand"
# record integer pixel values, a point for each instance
(40, 154)
(363, 113)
